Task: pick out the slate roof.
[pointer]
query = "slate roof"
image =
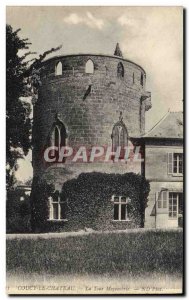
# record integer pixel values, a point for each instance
(170, 126)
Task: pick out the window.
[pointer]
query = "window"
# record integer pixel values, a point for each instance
(119, 137)
(89, 67)
(57, 137)
(175, 204)
(142, 79)
(178, 163)
(162, 199)
(58, 69)
(120, 70)
(121, 208)
(175, 163)
(57, 208)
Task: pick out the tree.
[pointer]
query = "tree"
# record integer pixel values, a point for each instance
(41, 191)
(22, 80)
(18, 122)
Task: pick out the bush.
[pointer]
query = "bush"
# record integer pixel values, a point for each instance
(17, 212)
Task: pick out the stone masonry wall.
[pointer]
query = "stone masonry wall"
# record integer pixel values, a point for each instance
(88, 121)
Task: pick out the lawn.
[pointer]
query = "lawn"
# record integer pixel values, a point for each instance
(112, 254)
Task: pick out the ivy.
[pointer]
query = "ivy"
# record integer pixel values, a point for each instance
(89, 198)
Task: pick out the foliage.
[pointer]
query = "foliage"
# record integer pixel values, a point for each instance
(28, 182)
(88, 201)
(17, 212)
(22, 80)
(89, 198)
(41, 191)
(18, 122)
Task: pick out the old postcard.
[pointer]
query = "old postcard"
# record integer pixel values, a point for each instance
(94, 110)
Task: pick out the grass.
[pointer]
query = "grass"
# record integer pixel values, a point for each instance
(114, 254)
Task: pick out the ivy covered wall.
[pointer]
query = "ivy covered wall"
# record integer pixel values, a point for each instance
(89, 203)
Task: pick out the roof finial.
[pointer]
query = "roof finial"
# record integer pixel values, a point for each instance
(117, 51)
(57, 116)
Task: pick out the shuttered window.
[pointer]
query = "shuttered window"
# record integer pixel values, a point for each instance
(170, 163)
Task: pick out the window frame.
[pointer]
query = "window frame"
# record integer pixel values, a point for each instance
(162, 200)
(62, 136)
(172, 217)
(59, 202)
(119, 135)
(170, 163)
(177, 163)
(120, 203)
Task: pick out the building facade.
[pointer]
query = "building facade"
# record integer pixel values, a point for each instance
(164, 170)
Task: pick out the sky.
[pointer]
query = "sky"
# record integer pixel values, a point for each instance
(149, 36)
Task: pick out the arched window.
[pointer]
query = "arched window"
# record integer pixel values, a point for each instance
(120, 70)
(57, 138)
(89, 67)
(58, 69)
(142, 79)
(119, 138)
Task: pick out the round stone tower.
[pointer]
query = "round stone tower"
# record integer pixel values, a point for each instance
(84, 96)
